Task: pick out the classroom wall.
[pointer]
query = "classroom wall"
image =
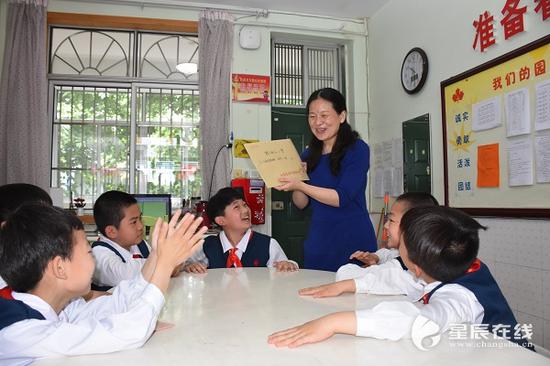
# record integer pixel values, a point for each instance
(253, 121)
(517, 251)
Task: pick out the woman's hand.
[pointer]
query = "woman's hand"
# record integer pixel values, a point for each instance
(289, 184)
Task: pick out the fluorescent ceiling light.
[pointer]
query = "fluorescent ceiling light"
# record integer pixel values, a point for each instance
(187, 68)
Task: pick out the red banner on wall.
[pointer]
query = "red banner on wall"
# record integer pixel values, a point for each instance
(250, 88)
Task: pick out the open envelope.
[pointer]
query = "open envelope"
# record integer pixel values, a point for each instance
(275, 159)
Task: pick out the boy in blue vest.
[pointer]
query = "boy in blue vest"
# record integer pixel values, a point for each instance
(237, 245)
(48, 265)
(120, 252)
(14, 195)
(440, 246)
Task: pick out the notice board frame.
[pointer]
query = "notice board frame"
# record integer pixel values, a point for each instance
(448, 88)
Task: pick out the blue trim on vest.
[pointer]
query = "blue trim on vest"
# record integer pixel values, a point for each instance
(256, 254)
(400, 260)
(108, 246)
(143, 249)
(13, 311)
(496, 308)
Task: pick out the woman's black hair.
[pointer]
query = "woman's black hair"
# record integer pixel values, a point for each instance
(344, 138)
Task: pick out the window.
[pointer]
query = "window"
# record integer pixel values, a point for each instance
(119, 119)
(300, 69)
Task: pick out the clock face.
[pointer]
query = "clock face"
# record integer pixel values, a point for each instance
(414, 70)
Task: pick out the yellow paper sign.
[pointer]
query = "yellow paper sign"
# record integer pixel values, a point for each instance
(276, 159)
(239, 151)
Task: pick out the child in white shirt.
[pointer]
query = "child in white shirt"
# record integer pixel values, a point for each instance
(48, 264)
(120, 252)
(237, 245)
(385, 272)
(440, 246)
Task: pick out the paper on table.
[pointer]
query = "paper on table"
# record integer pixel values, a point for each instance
(276, 159)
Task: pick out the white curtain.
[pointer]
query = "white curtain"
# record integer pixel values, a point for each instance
(215, 54)
(24, 127)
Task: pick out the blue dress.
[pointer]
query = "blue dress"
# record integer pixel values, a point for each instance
(336, 232)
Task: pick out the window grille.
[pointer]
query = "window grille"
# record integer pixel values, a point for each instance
(300, 69)
(119, 120)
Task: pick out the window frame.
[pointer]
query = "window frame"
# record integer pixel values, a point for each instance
(133, 83)
(339, 59)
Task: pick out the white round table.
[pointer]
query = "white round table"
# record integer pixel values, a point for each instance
(225, 316)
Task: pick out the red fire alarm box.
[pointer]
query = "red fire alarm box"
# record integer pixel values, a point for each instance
(254, 195)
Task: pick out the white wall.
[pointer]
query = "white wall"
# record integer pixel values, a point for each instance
(515, 249)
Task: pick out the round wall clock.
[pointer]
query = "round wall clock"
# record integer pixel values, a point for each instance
(414, 70)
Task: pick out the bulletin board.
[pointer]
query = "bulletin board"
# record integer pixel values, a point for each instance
(496, 131)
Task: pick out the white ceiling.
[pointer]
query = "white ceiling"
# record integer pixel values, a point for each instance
(336, 8)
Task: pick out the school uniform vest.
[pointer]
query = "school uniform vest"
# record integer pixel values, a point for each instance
(497, 311)
(401, 263)
(256, 254)
(143, 249)
(13, 311)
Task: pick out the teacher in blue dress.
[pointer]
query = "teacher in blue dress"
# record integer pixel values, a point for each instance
(337, 162)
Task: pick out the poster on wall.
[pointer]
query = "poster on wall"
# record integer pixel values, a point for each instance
(250, 88)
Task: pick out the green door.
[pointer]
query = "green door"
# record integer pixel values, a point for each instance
(416, 154)
(289, 224)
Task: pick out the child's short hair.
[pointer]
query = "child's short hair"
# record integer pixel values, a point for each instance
(32, 236)
(417, 199)
(14, 195)
(218, 202)
(442, 241)
(109, 209)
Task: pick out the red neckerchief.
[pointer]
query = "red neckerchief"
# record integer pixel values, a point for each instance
(233, 259)
(474, 267)
(6, 293)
